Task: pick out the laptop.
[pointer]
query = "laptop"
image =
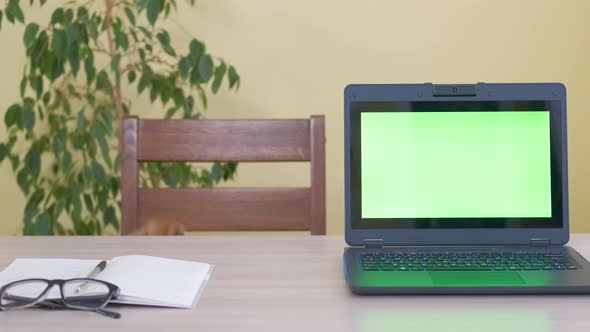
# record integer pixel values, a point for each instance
(458, 189)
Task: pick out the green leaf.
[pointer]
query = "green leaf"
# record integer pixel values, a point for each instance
(77, 141)
(89, 68)
(39, 49)
(216, 172)
(143, 83)
(171, 179)
(36, 83)
(206, 68)
(234, 78)
(23, 86)
(43, 224)
(189, 103)
(202, 96)
(28, 118)
(74, 59)
(164, 39)
(56, 69)
(14, 9)
(110, 218)
(115, 185)
(1, 16)
(195, 76)
(80, 120)
(121, 40)
(30, 34)
(131, 76)
(140, 5)
(46, 98)
(58, 141)
(170, 113)
(146, 32)
(154, 92)
(9, 16)
(99, 135)
(12, 114)
(196, 49)
(130, 15)
(99, 173)
(3, 152)
(66, 160)
(60, 192)
(153, 10)
(57, 16)
(134, 35)
(205, 179)
(107, 118)
(73, 48)
(11, 140)
(73, 35)
(79, 227)
(69, 15)
(88, 202)
(184, 65)
(33, 161)
(82, 13)
(88, 175)
(92, 28)
(167, 9)
(41, 113)
(219, 73)
(59, 43)
(32, 207)
(117, 165)
(22, 179)
(178, 97)
(102, 81)
(14, 162)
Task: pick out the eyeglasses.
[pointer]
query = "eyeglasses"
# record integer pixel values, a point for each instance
(81, 294)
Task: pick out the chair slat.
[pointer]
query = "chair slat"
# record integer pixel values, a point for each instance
(224, 140)
(228, 209)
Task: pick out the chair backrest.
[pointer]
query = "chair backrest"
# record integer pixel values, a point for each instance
(225, 209)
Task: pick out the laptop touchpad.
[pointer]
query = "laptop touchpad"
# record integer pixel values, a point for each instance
(476, 278)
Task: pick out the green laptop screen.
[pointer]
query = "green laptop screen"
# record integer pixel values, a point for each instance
(455, 164)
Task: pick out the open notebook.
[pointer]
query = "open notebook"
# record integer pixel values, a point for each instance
(143, 280)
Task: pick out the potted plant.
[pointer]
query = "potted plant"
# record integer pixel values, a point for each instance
(64, 131)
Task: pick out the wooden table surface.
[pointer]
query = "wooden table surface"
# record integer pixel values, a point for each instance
(284, 283)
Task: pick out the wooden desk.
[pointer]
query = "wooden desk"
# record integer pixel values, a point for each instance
(292, 283)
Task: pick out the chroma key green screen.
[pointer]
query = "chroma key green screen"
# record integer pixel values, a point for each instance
(455, 164)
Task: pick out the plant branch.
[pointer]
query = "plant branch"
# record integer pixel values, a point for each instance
(109, 5)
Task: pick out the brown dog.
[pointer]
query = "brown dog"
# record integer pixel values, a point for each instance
(156, 227)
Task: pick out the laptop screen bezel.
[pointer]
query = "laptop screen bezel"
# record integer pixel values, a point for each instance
(441, 231)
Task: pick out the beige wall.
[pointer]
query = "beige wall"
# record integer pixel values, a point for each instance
(295, 57)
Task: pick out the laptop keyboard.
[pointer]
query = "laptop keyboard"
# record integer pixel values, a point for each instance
(453, 261)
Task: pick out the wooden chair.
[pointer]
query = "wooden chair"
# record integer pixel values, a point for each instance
(225, 209)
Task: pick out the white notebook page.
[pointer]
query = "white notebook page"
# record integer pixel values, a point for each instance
(155, 280)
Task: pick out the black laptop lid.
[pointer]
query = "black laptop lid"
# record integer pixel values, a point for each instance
(477, 164)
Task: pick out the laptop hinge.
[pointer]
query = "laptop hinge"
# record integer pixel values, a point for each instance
(540, 243)
(373, 243)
